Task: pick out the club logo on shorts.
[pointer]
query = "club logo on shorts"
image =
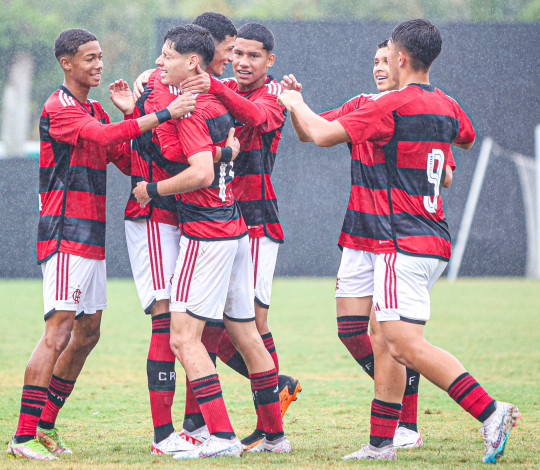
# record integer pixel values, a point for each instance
(77, 296)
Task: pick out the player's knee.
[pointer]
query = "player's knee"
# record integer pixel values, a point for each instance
(57, 342)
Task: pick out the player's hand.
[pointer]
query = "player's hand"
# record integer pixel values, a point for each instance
(199, 83)
(141, 194)
(290, 98)
(142, 79)
(183, 104)
(121, 96)
(233, 142)
(289, 82)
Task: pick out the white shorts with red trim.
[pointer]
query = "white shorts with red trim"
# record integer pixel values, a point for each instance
(402, 286)
(153, 249)
(355, 274)
(264, 254)
(213, 279)
(74, 283)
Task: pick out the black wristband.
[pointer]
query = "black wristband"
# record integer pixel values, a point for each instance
(226, 155)
(151, 189)
(163, 115)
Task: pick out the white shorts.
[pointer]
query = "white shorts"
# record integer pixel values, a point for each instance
(213, 279)
(74, 283)
(355, 274)
(264, 256)
(153, 250)
(402, 285)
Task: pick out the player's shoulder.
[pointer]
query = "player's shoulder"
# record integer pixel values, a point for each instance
(273, 87)
(360, 99)
(208, 106)
(230, 82)
(60, 100)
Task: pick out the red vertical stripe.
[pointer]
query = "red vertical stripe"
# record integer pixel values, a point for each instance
(186, 256)
(255, 258)
(148, 229)
(161, 285)
(196, 252)
(395, 279)
(57, 272)
(67, 277)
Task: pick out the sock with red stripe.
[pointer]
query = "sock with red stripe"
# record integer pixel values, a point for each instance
(211, 336)
(268, 341)
(384, 420)
(228, 354)
(409, 409)
(352, 331)
(32, 403)
(161, 376)
(472, 397)
(266, 397)
(57, 394)
(210, 398)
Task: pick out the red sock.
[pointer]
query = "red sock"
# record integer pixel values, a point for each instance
(268, 341)
(32, 403)
(409, 408)
(59, 391)
(210, 398)
(229, 355)
(352, 331)
(468, 393)
(384, 420)
(266, 397)
(161, 376)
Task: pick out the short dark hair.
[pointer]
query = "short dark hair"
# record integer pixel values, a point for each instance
(219, 25)
(421, 39)
(383, 44)
(192, 38)
(258, 32)
(68, 41)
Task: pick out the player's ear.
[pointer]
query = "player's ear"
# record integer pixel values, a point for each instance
(193, 62)
(65, 63)
(271, 60)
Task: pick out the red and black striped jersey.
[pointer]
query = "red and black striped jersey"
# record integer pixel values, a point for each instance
(411, 131)
(76, 143)
(252, 184)
(147, 160)
(210, 213)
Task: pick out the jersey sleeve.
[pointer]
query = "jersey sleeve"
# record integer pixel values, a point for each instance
(66, 122)
(363, 123)
(345, 108)
(193, 134)
(466, 133)
(450, 160)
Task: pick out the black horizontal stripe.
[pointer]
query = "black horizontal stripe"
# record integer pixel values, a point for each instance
(407, 225)
(426, 128)
(193, 213)
(371, 226)
(219, 126)
(260, 212)
(88, 232)
(414, 181)
(372, 177)
(88, 180)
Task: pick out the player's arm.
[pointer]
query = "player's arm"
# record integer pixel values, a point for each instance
(308, 124)
(138, 85)
(199, 174)
(449, 176)
(464, 146)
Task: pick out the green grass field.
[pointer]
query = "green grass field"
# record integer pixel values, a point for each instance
(492, 326)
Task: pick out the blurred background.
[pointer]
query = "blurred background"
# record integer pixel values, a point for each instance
(489, 63)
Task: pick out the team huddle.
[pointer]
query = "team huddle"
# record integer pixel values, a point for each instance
(203, 232)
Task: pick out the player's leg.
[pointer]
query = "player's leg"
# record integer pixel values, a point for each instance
(241, 327)
(153, 250)
(59, 309)
(402, 329)
(199, 291)
(354, 291)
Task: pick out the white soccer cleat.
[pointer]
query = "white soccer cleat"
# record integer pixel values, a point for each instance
(280, 445)
(496, 430)
(172, 445)
(196, 437)
(214, 447)
(405, 438)
(370, 452)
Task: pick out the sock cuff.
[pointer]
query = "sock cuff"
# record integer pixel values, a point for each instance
(265, 379)
(161, 323)
(352, 325)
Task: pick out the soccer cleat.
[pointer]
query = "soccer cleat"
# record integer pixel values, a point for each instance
(496, 430)
(214, 447)
(281, 445)
(253, 440)
(32, 449)
(370, 452)
(196, 437)
(171, 445)
(289, 388)
(52, 441)
(405, 438)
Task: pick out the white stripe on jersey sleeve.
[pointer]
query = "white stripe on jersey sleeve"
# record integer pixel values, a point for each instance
(61, 98)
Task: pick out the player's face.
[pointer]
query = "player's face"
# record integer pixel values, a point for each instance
(86, 65)
(381, 71)
(174, 66)
(222, 56)
(251, 63)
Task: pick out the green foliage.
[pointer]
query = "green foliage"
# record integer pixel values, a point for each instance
(488, 324)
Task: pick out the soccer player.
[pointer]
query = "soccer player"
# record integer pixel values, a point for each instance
(412, 130)
(251, 98)
(77, 142)
(153, 238)
(213, 278)
(354, 285)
